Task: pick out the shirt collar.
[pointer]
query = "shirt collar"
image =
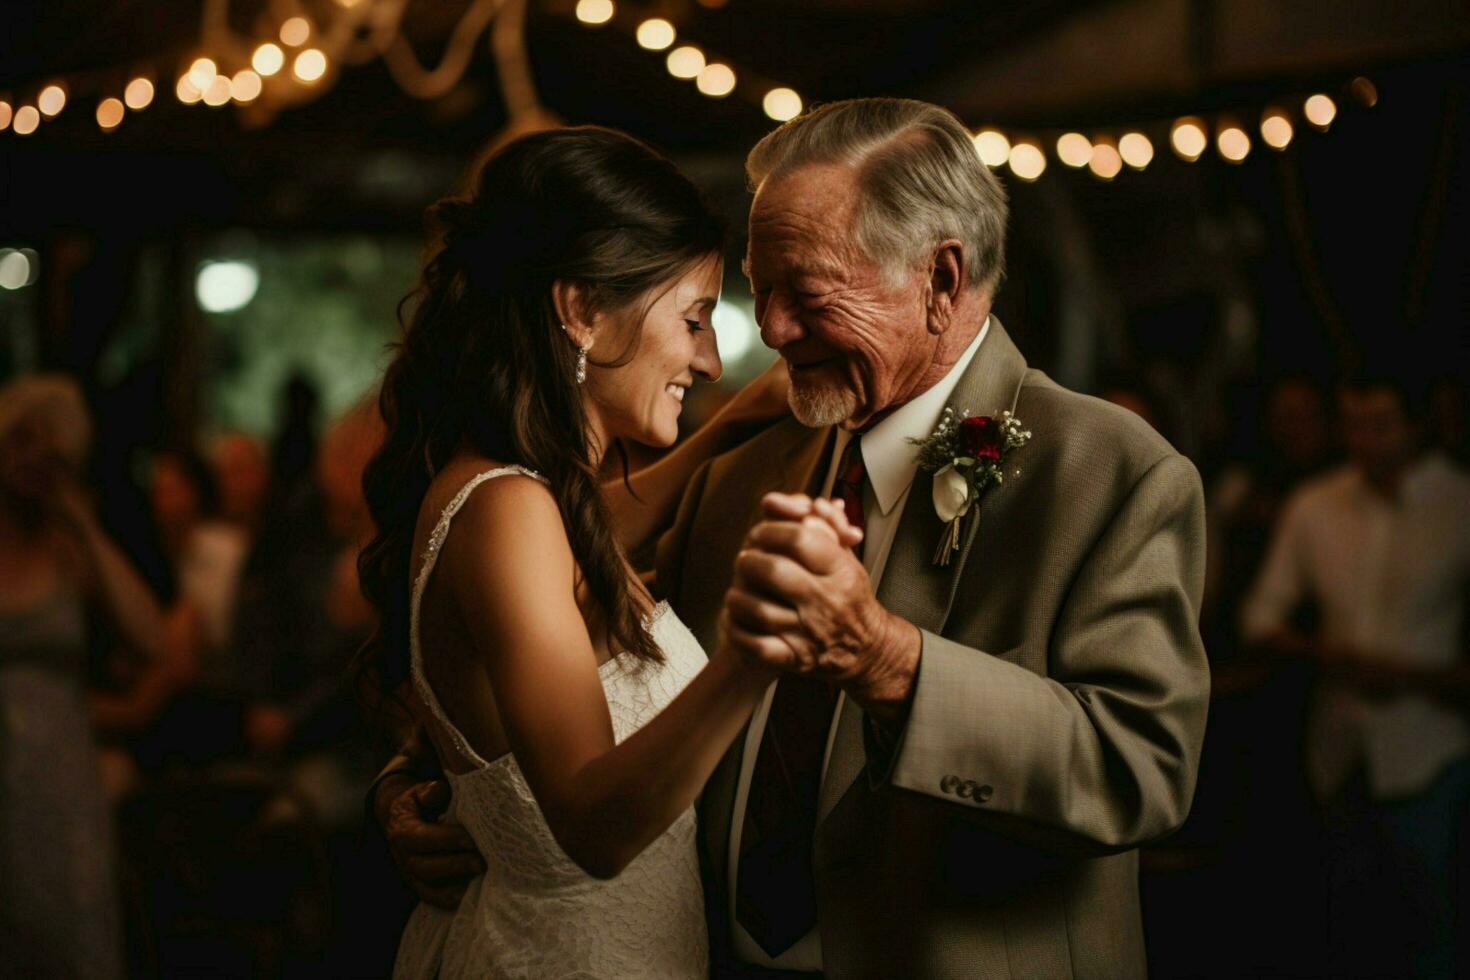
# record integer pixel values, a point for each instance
(889, 458)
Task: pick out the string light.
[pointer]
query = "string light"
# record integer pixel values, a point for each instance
(138, 94)
(245, 86)
(1074, 149)
(1276, 130)
(1188, 138)
(295, 31)
(187, 91)
(595, 12)
(1105, 163)
(1136, 149)
(218, 92)
(51, 100)
(1233, 143)
(202, 72)
(1320, 111)
(109, 113)
(6, 114)
(686, 62)
(27, 118)
(268, 59)
(782, 104)
(1027, 161)
(655, 34)
(716, 81)
(310, 65)
(993, 147)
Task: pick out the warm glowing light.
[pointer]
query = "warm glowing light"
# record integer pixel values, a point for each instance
(1188, 138)
(735, 331)
(1364, 91)
(782, 104)
(245, 86)
(594, 12)
(218, 92)
(310, 65)
(27, 118)
(15, 268)
(268, 59)
(1106, 163)
(1320, 110)
(51, 100)
(993, 147)
(716, 81)
(1276, 130)
(295, 31)
(1074, 149)
(202, 72)
(655, 34)
(1027, 161)
(223, 287)
(187, 91)
(1136, 149)
(1233, 143)
(110, 113)
(6, 114)
(686, 62)
(138, 94)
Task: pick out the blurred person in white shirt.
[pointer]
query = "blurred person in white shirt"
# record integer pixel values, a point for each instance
(1381, 548)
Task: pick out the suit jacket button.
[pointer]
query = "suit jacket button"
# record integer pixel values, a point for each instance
(949, 784)
(983, 793)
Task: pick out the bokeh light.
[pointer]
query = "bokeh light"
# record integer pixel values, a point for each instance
(27, 118)
(993, 147)
(1105, 163)
(1074, 149)
(1276, 130)
(268, 59)
(1136, 149)
(686, 62)
(1027, 161)
(223, 287)
(1233, 143)
(295, 31)
(717, 80)
(110, 113)
(782, 104)
(595, 12)
(1320, 110)
(139, 93)
(310, 65)
(51, 100)
(1188, 138)
(655, 34)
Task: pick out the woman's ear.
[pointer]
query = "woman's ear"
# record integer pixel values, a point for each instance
(574, 310)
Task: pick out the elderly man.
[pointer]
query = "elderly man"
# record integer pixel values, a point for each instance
(1001, 693)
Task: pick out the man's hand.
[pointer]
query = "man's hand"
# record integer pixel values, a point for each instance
(437, 860)
(803, 602)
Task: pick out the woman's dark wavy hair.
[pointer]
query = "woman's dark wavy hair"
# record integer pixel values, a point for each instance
(483, 362)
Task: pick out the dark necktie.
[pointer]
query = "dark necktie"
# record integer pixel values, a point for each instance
(775, 895)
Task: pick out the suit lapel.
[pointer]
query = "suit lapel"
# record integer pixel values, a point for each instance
(802, 468)
(913, 587)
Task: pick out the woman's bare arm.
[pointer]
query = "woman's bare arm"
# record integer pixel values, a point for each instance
(511, 572)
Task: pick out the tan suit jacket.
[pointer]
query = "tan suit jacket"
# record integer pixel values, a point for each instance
(1058, 711)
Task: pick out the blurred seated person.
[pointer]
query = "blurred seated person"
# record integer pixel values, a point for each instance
(242, 478)
(206, 553)
(1381, 546)
(1294, 443)
(304, 626)
(59, 574)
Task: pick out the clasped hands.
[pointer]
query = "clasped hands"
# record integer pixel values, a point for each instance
(801, 602)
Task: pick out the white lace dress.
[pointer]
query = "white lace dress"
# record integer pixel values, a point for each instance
(534, 913)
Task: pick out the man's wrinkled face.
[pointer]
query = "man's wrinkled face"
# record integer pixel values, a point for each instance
(854, 339)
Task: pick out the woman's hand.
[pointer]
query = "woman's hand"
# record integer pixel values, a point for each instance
(822, 517)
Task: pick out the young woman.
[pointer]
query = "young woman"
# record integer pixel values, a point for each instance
(566, 307)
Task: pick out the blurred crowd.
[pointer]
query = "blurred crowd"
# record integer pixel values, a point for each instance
(182, 766)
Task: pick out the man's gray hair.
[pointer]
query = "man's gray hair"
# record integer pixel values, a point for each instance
(922, 182)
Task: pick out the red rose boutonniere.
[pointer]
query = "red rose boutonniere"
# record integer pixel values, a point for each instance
(964, 453)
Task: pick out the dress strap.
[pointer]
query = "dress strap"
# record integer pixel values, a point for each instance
(431, 556)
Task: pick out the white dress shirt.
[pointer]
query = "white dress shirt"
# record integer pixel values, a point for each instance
(891, 462)
(1390, 578)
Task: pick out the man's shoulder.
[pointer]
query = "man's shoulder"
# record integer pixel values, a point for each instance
(1077, 431)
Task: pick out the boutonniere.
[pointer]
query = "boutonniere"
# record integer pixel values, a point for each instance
(965, 453)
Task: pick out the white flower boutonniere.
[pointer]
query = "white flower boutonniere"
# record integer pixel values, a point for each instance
(965, 453)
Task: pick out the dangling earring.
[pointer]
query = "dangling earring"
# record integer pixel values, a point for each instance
(582, 350)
